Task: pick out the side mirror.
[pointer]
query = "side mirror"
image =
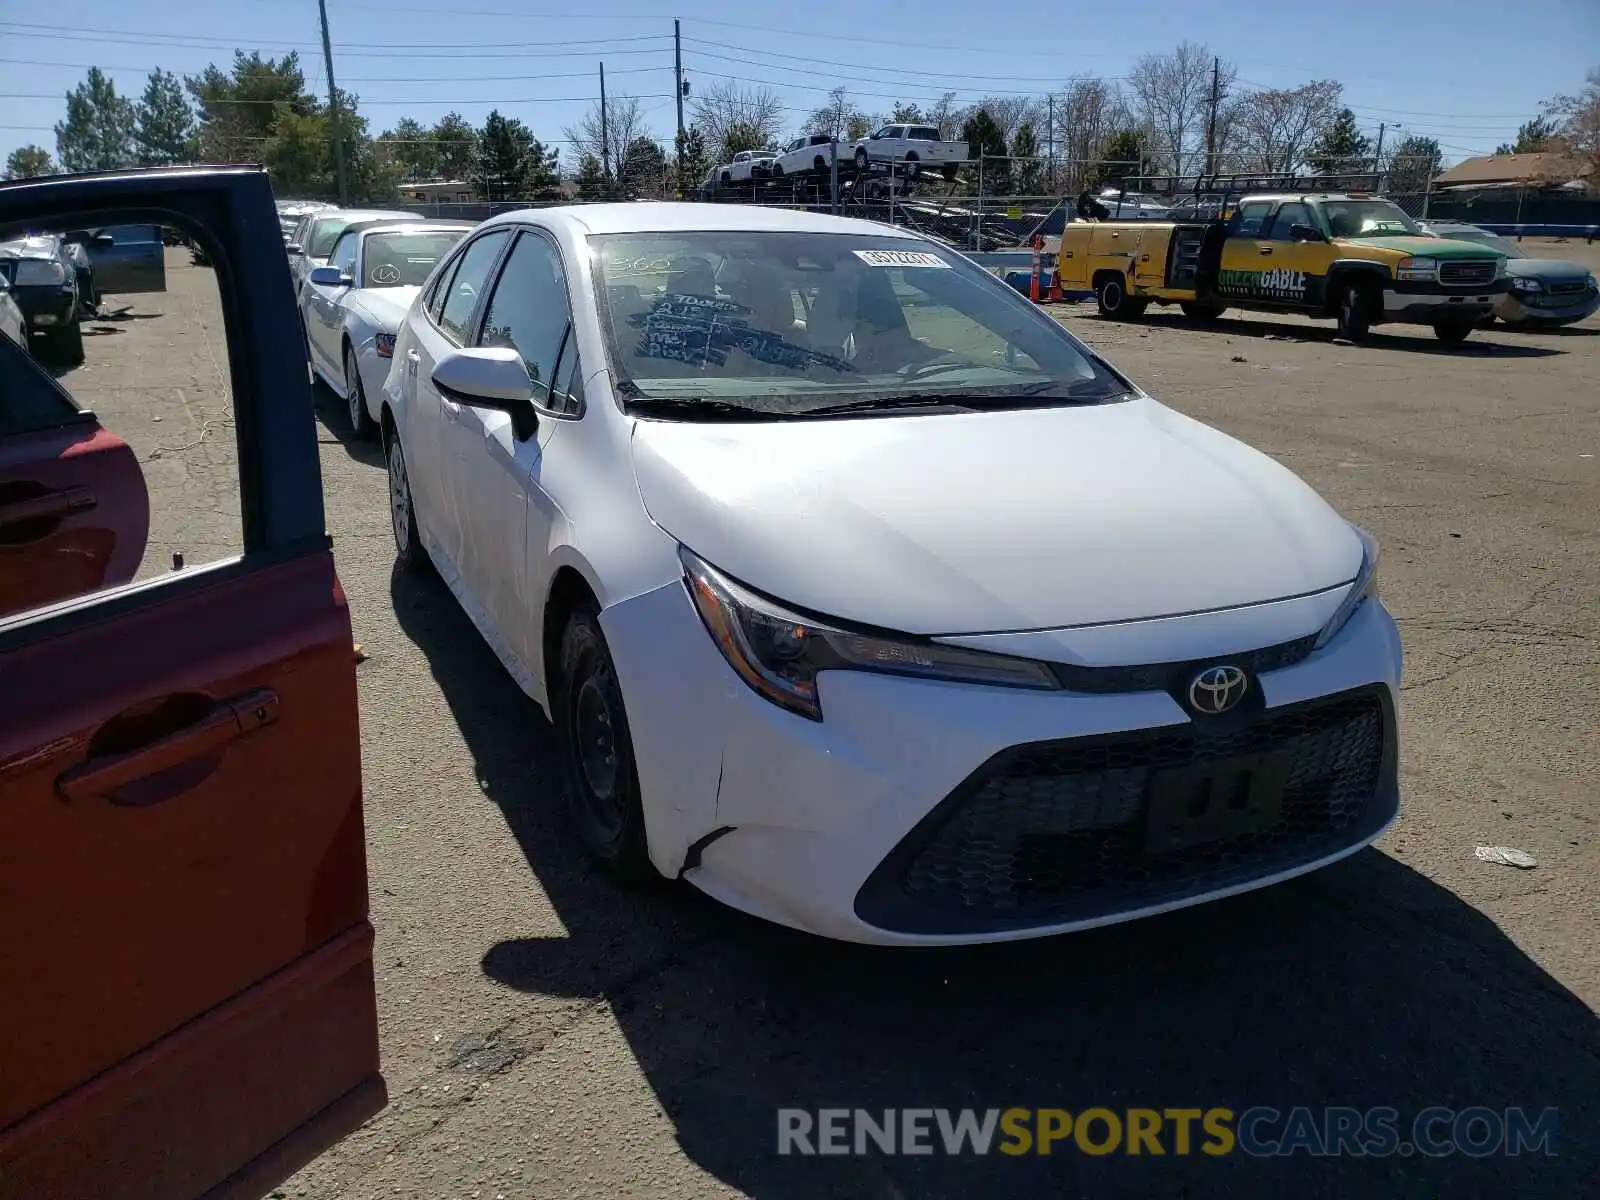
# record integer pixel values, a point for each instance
(1306, 233)
(492, 377)
(103, 240)
(330, 277)
(293, 250)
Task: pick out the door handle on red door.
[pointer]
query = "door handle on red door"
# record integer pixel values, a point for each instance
(47, 506)
(227, 721)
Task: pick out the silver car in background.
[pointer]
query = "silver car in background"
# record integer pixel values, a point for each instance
(1545, 292)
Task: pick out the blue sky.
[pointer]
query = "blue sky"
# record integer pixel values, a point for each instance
(1466, 72)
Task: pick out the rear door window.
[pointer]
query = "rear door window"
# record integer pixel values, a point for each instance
(468, 283)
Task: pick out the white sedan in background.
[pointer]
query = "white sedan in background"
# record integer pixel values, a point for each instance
(353, 306)
(866, 598)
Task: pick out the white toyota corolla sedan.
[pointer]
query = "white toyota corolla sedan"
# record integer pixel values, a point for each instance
(866, 598)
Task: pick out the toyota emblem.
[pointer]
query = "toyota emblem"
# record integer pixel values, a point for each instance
(1217, 689)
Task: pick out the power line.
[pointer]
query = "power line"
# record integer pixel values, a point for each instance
(872, 67)
(156, 38)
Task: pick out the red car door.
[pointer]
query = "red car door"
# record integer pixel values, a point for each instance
(74, 514)
(188, 991)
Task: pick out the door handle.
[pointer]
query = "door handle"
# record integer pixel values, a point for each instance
(49, 506)
(1264, 250)
(412, 358)
(228, 721)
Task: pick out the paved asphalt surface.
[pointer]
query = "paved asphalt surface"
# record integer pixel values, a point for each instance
(546, 1035)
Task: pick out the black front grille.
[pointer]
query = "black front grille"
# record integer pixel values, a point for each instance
(1569, 288)
(1173, 677)
(1472, 272)
(1061, 831)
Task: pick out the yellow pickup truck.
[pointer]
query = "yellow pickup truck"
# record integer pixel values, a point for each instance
(1353, 257)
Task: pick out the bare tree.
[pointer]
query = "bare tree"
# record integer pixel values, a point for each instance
(942, 116)
(1579, 123)
(1276, 127)
(726, 108)
(839, 118)
(624, 124)
(1172, 94)
(1088, 113)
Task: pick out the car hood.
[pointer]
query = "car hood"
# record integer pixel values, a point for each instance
(1430, 247)
(32, 247)
(384, 307)
(1546, 268)
(993, 522)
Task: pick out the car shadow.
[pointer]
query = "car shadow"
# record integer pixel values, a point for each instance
(335, 422)
(1381, 338)
(1364, 985)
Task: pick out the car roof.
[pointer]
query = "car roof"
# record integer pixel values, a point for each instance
(414, 225)
(363, 214)
(668, 216)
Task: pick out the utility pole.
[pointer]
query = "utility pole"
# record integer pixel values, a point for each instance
(1211, 122)
(1050, 140)
(833, 155)
(677, 61)
(605, 129)
(1377, 154)
(333, 105)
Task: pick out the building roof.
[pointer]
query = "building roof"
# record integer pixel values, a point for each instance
(1549, 167)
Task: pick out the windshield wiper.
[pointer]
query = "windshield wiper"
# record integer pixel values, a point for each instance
(697, 408)
(945, 402)
(930, 402)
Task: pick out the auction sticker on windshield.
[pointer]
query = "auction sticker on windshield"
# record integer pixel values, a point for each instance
(900, 258)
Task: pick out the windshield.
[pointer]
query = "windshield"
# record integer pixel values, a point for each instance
(1368, 218)
(1483, 238)
(792, 323)
(404, 259)
(325, 232)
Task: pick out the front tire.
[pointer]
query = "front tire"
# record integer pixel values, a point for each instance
(65, 345)
(1453, 333)
(408, 548)
(597, 752)
(1201, 311)
(355, 398)
(1356, 304)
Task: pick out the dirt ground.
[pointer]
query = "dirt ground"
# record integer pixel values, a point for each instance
(545, 1035)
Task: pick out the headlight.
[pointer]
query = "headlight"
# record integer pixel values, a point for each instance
(1363, 589)
(1525, 284)
(40, 271)
(1594, 284)
(780, 653)
(1417, 268)
(384, 343)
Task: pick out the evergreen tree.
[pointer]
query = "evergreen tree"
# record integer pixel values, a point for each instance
(164, 130)
(591, 180)
(29, 162)
(1341, 147)
(1120, 157)
(985, 141)
(1029, 170)
(455, 147)
(97, 134)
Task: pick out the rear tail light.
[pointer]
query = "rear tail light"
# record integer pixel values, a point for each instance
(385, 345)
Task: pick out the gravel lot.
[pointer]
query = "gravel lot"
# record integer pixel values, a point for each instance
(545, 1035)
